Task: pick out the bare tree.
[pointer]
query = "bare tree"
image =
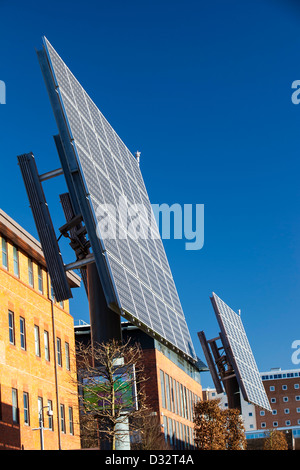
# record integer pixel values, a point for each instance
(149, 435)
(112, 397)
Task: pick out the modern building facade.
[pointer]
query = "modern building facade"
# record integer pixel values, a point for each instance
(37, 349)
(173, 386)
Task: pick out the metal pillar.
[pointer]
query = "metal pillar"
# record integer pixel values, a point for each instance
(105, 324)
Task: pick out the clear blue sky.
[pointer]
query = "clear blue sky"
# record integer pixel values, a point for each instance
(203, 90)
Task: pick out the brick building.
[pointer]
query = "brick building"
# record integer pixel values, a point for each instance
(283, 390)
(37, 348)
(172, 388)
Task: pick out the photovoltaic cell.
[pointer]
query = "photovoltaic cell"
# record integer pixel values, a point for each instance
(241, 354)
(110, 173)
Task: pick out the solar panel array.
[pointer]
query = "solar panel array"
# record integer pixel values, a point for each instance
(139, 266)
(246, 369)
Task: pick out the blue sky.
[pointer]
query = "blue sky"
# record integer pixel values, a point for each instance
(203, 90)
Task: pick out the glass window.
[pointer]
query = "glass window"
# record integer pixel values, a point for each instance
(162, 386)
(26, 407)
(52, 297)
(50, 415)
(288, 423)
(168, 392)
(37, 340)
(263, 425)
(170, 431)
(286, 411)
(15, 413)
(40, 280)
(16, 261)
(285, 399)
(67, 353)
(30, 272)
(71, 425)
(275, 424)
(40, 410)
(284, 387)
(46, 343)
(296, 386)
(11, 327)
(272, 388)
(58, 347)
(274, 412)
(165, 428)
(297, 397)
(273, 400)
(175, 395)
(4, 253)
(22, 333)
(62, 418)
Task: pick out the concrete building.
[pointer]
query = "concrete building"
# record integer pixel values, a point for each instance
(173, 387)
(37, 349)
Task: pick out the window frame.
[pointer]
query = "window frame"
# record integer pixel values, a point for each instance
(23, 333)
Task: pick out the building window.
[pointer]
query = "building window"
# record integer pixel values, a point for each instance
(262, 413)
(30, 272)
(16, 261)
(52, 297)
(274, 412)
(273, 400)
(286, 411)
(284, 387)
(26, 408)
(297, 397)
(40, 411)
(288, 423)
(165, 428)
(11, 327)
(263, 425)
(168, 392)
(285, 399)
(67, 354)
(296, 386)
(175, 395)
(58, 347)
(162, 386)
(62, 419)
(22, 333)
(46, 344)
(50, 415)
(15, 411)
(298, 410)
(40, 280)
(4, 254)
(272, 388)
(37, 341)
(275, 424)
(71, 424)
(178, 398)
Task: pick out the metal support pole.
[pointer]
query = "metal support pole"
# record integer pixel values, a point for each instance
(105, 324)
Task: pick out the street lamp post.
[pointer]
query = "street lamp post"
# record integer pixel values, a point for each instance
(41, 424)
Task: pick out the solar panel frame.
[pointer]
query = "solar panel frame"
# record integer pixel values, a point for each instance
(240, 354)
(45, 229)
(99, 152)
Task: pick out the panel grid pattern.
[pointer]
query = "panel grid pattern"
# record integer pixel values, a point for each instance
(233, 329)
(139, 266)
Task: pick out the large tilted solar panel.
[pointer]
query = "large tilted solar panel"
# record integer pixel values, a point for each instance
(140, 269)
(244, 363)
